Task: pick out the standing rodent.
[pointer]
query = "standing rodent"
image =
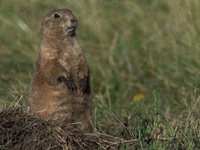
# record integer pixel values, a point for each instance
(60, 87)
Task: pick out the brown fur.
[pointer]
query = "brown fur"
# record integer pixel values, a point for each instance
(60, 86)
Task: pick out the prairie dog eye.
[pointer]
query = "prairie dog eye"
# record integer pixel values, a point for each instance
(56, 15)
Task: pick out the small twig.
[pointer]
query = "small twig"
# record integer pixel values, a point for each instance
(13, 101)
(19, 100)
(184, 135)
(122, 124)
(195, 104)
(100, 145)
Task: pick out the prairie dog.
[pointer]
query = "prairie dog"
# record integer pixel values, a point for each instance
(60, 87)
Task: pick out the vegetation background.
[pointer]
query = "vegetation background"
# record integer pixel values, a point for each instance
(144, 62)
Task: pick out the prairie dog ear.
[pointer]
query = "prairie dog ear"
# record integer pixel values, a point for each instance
(48, 17)
(45, 21)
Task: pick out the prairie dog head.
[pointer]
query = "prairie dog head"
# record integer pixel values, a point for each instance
(59, 23)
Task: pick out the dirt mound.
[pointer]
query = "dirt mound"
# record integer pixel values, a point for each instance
(19, 130)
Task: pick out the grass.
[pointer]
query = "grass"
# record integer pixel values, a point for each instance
(133, 48)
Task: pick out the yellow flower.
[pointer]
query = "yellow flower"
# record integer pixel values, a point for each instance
(138, 97)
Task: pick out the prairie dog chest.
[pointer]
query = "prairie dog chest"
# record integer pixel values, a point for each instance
(72, 56)
(71, 61)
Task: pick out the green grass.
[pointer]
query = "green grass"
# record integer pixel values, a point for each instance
(132, 47)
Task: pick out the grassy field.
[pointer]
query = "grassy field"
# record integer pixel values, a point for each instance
(143, 57)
